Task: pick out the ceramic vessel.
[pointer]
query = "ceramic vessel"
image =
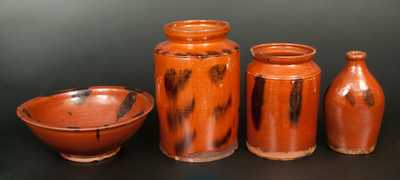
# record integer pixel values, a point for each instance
(283, 87)
(354, 105)
(197, 90)
(87, 125)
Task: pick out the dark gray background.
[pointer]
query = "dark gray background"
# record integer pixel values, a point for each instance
(48, 45)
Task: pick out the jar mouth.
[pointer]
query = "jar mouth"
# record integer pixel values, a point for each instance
(196, 30)
(283, 53)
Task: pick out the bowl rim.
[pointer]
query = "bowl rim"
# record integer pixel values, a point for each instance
(31, 121)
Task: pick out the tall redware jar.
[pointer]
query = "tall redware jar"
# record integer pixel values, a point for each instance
(283, 87)
(197, 78)
(354, 105)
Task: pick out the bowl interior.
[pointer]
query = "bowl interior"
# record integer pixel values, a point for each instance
(87, 108)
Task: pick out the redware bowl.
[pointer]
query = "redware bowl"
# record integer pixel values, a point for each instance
(87, 125)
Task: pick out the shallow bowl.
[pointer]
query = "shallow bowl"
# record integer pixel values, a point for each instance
(87, 125)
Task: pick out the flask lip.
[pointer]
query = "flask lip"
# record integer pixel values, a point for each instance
(196, 30)
(283, 53)
(356, 55)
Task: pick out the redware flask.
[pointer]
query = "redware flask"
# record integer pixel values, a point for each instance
(354, 105)
(283, 84)
(197, 82)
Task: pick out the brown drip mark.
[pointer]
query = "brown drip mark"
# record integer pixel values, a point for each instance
(368, 97)
(157, 51)
(213, 53)
(205, 55)
(176, 116)
(185, 143)
(295, 100)
(221, 109)
(175, 81)
(70, 113)
(257, 101)
(138, 91)
(350, 98)
(98, 134)
(81, 96)
(227, 51)
(219, 142)
(126, 105)
(26, 113)
(217, 73)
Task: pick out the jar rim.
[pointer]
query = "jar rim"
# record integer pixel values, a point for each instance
(192, 30)
(283, 53)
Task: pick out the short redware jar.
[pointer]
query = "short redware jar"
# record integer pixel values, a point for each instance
(197, 78)
(283, 88)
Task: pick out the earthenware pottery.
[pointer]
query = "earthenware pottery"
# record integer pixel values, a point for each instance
(283, 84)
(197, 90)
(354, 105)
(87, 125)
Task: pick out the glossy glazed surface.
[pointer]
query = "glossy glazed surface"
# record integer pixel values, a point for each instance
(354, 105)
(197, 90)
(85, 124)
(282, 101)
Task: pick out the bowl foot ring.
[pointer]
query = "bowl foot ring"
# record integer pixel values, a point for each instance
(93, 158)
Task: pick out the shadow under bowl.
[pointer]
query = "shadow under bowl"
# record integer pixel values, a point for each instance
(87, 125)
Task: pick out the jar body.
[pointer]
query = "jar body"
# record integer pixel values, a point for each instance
(197, 94)
(282, 106)
(354, 106)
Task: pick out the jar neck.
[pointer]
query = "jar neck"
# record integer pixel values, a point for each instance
(196, 31)
(283, 53)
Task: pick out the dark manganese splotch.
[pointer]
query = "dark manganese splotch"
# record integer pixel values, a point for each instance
(80, 96)
(221, 141)
(350, 98)
(176, 116)
(175, 81)
(227, 51)
(217, 73)
(295, 100)
(257, 101)
(26, 113)
(368, 97)
(213, 53)
(220, 109)
(126, 105)
(98, 134)
(185, 143)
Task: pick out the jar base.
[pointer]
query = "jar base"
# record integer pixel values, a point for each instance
(353, 151)
(89, 159)
(282, 156)
(203, 156)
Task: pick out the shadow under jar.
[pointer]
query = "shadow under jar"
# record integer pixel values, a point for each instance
(197, 78)
(283, 88)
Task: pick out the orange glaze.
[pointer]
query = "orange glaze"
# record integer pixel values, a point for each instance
(283, 87)
(354, 105)
(197, 78)
(87, 125)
